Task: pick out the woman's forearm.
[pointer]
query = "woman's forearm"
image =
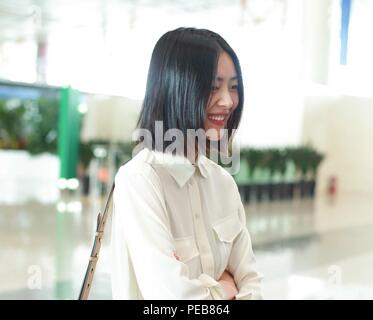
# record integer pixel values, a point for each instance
(228, 284)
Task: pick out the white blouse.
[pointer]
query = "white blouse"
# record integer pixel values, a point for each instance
(176, 227)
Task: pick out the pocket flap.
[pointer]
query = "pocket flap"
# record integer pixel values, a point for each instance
(186, 248)
(228, 228)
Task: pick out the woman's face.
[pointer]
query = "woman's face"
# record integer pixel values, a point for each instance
(223, 99)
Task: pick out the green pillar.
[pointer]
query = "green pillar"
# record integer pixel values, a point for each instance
(68, 132)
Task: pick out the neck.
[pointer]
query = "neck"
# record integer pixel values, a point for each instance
(192, 154)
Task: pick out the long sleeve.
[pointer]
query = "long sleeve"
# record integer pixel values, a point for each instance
(242, 262)
(141, 226)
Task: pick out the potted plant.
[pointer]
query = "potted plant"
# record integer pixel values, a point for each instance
(315, 159)
(253, 158)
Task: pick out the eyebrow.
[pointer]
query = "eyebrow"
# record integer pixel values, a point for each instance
(222, 79)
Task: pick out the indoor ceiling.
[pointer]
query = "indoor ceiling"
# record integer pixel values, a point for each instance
(22, 19)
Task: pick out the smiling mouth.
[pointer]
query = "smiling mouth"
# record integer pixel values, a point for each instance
(217, 119)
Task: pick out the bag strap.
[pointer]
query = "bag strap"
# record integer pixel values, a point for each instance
(101, 222)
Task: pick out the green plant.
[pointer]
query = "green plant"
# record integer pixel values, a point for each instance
(298, 155)
(253, 158)
(282, 161)
(42, 125)
(306, 160)
(272, 160)
(315, 160)
(12, 130)
(30, 124)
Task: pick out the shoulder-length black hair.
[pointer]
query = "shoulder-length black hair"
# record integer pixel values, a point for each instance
(181, 73)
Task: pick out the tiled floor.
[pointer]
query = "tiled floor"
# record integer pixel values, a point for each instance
(306, 249)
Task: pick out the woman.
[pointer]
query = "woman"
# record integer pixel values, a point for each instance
(179, 226)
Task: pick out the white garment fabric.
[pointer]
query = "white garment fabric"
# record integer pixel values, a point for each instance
(176, 227)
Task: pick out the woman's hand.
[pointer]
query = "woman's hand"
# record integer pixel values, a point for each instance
(229, 286)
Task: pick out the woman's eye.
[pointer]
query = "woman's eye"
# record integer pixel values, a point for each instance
(234, 87)
(214, 88)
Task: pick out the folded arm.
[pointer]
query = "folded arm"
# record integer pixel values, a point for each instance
(242, 262)
(141, 222)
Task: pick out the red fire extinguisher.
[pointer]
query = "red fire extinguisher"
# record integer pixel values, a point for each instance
(332, 187)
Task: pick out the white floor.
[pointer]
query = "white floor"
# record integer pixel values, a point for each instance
(306, 249)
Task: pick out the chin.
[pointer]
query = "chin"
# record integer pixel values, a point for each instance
(214, 138)
(216, 135)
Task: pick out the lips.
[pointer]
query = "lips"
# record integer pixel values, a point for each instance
(217, 118)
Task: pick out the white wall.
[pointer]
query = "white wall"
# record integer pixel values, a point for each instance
(342, 128)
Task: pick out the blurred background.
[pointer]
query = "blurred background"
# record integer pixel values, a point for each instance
(72, 78)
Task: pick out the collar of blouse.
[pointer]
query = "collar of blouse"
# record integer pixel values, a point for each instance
(179, 167)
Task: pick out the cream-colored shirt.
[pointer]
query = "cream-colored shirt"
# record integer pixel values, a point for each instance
(176, 227)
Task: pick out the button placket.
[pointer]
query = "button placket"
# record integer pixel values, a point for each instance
(201, 235)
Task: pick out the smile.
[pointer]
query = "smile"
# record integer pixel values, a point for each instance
(217, 119)
(214, 117)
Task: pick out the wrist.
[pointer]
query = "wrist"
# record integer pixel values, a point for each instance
(229, 289)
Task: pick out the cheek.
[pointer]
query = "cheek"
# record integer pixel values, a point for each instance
(235, 100)
(211, 103)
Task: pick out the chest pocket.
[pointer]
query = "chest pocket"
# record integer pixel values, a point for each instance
(186, 248)
(228, 228)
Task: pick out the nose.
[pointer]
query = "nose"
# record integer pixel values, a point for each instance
(225, 100)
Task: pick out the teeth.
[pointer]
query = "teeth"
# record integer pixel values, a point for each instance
(219, 118)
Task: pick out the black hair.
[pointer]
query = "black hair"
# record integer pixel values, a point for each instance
(181, 73)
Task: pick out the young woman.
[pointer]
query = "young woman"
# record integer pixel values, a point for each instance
(179, 226)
